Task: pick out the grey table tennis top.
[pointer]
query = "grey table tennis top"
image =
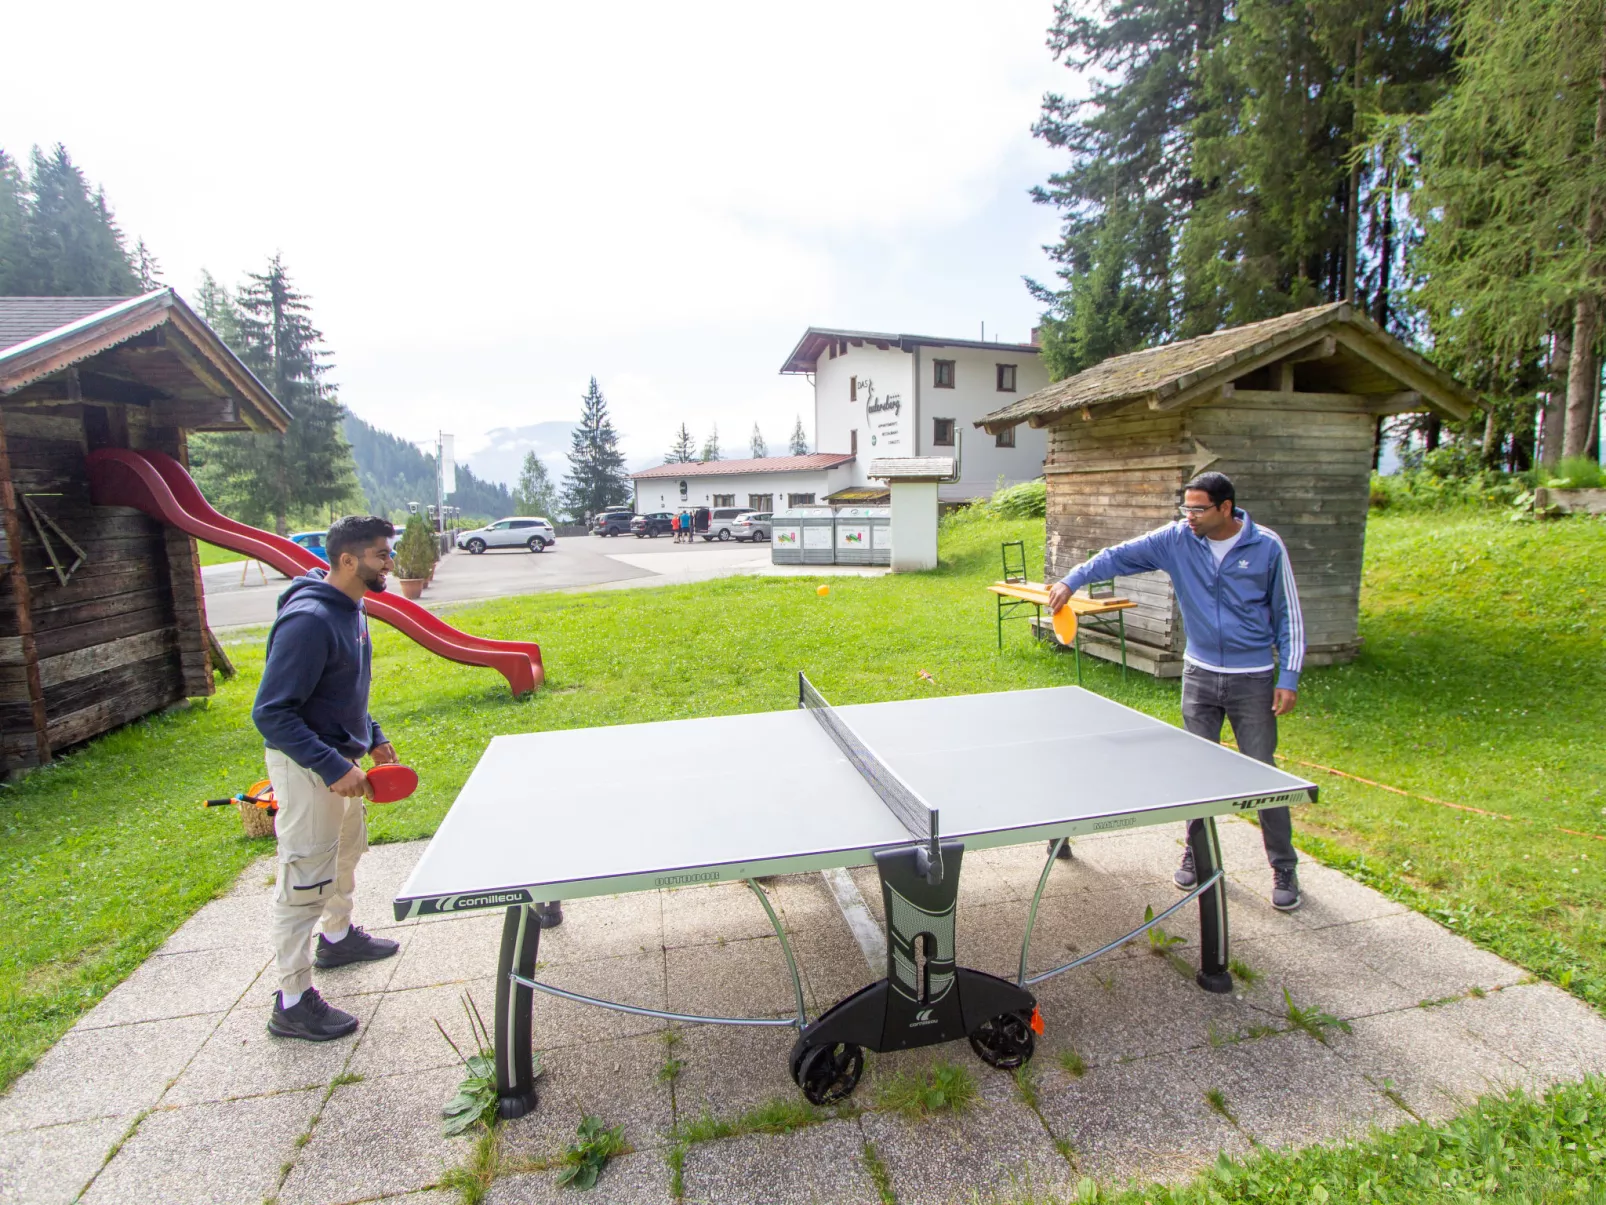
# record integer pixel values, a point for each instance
(593, 811)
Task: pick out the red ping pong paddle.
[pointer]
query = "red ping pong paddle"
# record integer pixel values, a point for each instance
(391, 782)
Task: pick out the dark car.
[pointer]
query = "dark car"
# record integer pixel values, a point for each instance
(655, 525)
(612, 523)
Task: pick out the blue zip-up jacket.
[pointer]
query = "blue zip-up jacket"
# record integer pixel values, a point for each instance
(1234, 614)
(312, 704)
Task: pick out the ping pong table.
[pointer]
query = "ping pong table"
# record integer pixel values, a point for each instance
(907, 787)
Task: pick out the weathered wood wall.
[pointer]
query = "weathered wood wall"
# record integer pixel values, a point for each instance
(1301, 467)
(126, 635)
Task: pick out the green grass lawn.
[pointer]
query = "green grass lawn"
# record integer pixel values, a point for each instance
(211, 554)
(1480, 683)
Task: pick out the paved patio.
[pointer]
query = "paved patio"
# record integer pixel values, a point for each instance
(171, 1090)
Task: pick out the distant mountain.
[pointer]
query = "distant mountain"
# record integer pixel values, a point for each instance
(393, 473)
(503, 458)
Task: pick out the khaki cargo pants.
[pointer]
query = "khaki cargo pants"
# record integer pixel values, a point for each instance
(321, 836)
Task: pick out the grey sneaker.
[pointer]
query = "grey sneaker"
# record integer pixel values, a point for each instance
(1285, 895)
(310, 1018)
(1185, 878)
(355, 946)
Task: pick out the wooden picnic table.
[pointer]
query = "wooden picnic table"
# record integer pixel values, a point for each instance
(1097, 613)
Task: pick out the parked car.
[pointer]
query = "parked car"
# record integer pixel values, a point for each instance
(530, 532)
(312, 541)
(755, 526)
(655, 525)
(716, 524)
(612, 523)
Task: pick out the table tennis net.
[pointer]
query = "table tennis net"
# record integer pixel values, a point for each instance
(912, 812)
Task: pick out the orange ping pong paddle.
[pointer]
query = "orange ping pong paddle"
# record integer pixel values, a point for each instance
(392, 782)
(1065, 624)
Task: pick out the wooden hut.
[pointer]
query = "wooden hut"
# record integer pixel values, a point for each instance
(1289, 408)
(102, 619)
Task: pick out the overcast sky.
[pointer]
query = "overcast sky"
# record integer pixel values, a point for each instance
(492, 204)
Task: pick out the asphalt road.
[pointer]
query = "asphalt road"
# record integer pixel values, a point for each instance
(574, 563)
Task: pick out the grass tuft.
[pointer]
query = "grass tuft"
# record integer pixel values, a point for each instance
(1217, 1100)
(942, 1087)
(1074, 1064)
(1243, 972)
(879, 1175)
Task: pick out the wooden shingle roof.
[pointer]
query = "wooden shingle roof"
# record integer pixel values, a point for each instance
(1175, 373)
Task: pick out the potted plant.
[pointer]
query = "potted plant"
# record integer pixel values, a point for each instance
(415, 557)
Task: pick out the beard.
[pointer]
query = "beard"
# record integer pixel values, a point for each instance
(373, 581)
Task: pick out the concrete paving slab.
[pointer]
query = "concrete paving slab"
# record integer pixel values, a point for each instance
(380, 875)
(1427, 960)
(606, 926)
(115, 1072)
(997, 1147)
(832, 964)
(379, 1136)
(1249, 914)
(230, 922)
(452, 951)
(179, 985)
(636, 979)
(730, 1070)
(1435, 1066)
(1146, 1119)
(429, 1196)
(258, 878)
(1557, 1037)
(820, 1165)
(52, 1165)
(616, 1081)
(738, 979)
(638, 1179)
(1289, 1090)
(1329, 898)
(241, 1058)
(225, 1153)
(1317, 972)
(700, 916)
(400, 1033)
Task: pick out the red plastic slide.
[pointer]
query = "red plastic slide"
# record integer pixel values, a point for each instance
(158, 485)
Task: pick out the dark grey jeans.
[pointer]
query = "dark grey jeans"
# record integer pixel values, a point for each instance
(1245, 700)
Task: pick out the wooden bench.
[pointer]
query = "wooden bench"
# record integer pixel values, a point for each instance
(1098, 613)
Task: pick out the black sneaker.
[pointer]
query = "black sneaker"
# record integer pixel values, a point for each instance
(355, 946)
(549, 916)
(310, 1018)
(1186, 879)
(1065, 851)
(1285, 895)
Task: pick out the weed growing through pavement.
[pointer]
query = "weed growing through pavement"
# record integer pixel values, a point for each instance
(1312, 1020)
(942, 1087)
(594, 1145)
(779, 1116)
(879, 1176)
(1074, 1064)
(1243, 972)
(1026, 1084)
(1160, 942)
(1217, 1101)
(676, 1158)
(1066, 1150)
(472, 1179)
(346, 1077)
(476, 1098)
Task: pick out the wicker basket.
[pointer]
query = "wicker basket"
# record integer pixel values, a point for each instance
(258, 822)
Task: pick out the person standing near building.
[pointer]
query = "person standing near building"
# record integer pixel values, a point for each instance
(312, 710)
(1240, 607)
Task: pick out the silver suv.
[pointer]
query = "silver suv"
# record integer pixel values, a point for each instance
(533, 533)
(754, 525)
(720, 521)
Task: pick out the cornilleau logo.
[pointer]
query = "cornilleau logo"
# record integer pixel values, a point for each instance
(924, 1017)
(458, 903)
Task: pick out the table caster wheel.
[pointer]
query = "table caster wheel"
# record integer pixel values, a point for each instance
(1005, 1041)
(828, 1074)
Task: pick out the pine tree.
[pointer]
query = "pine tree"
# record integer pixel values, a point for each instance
(147, 271)
(759, 448)
(683, 450)
(534, 494)
(13, 228)
(800, 442)
(711, 446)
(258, 477)
(596, 479)
(74, 246)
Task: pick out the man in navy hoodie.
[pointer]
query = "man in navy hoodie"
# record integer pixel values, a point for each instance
(1240, 607)
(312, 710)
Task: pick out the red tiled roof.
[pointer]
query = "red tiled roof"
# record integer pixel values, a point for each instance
(813, 462)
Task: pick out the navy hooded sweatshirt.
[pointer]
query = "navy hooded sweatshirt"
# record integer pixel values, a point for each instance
(312, 704)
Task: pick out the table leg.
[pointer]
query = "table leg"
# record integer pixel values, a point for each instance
(1077, 642)
(999, 599)
(1121, 619)
(515, 1070)
(1213, 975)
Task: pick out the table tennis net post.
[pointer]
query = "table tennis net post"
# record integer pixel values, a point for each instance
(900, 798)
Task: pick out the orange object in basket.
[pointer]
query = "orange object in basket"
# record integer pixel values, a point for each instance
(262, 793)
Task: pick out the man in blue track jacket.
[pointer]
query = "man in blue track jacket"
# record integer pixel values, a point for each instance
(1240, 607)
(312, 711)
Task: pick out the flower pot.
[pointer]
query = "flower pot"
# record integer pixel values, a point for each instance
(412, 587)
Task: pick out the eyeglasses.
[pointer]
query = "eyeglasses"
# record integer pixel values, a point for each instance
(1195, 510)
